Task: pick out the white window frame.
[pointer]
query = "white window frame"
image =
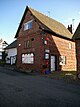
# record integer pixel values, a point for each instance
(70, 45)
(62, 60)
(46, 55)
(27, 25)
(28, 58)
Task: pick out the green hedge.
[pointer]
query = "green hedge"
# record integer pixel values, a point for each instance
(2, 62)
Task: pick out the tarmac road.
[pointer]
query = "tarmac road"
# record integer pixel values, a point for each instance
(23, 90)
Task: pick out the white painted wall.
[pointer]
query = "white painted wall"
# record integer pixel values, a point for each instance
(0, 55)
(2, 46)
(11, 53)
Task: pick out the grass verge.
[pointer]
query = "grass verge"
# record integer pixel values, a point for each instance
(62, 75)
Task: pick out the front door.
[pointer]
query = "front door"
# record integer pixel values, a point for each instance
(52, 63)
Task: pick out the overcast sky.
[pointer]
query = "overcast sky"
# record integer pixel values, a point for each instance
(11, 12)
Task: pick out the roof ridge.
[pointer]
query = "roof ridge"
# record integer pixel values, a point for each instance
(12, 45)
(51, 23)
(45, 15)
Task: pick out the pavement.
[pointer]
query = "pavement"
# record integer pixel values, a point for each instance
(25, 90)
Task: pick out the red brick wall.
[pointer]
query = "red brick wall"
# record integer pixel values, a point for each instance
(36, 44)
(62, 46)
(36, 49)
(78, 55)
(56, 45)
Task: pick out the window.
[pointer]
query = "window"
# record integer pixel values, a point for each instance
(62, 60)
(45, 42)
(70, 46)
(28, 25)
(47, 50)
(27, 44)
(30, 44)
(46, 55)
(28, 58)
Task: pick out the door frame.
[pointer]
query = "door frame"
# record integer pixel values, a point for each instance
(55, 62)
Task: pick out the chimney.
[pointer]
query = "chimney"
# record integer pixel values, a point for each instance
(70, 28)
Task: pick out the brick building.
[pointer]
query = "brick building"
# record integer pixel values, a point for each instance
(43, 42)
(76, 37)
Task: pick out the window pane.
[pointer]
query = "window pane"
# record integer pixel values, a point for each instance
(62, 60)
(29, 44)
(70, 46)
(25, 44)
(28, 25)
(25, 26)
(28, 58)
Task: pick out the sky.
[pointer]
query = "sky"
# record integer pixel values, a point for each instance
(11, 11)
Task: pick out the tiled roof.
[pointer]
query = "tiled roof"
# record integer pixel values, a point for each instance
(12, 45)
(50, 23)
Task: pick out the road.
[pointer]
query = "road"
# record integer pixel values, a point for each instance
(23, 90)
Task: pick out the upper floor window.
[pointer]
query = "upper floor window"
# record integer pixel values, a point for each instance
(70, 46)
(27, 44)
(28, 25)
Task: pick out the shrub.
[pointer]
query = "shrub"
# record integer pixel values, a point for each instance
(2, 62)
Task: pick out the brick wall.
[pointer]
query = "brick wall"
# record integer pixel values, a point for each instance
(66, 48)
(28, 35)
(57, 46)
(78, 55)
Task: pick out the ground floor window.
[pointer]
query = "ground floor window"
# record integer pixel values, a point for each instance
(62, 60)
(46, 55)
(28, 58)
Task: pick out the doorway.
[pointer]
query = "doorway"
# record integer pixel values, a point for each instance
(53, 63)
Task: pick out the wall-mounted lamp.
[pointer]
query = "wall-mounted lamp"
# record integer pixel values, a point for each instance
(19, 44)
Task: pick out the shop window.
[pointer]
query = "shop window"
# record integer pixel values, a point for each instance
(28, 58)
(62, 60)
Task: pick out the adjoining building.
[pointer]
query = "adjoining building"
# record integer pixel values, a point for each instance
(11, 51)
(76, 37)
(3, 45)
